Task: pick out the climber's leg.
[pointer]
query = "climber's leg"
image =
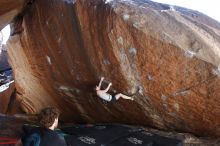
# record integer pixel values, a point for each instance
(120, 95)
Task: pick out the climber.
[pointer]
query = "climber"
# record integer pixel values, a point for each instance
(107, 97)
(45, 134)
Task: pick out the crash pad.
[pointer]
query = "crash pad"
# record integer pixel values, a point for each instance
(114, 135)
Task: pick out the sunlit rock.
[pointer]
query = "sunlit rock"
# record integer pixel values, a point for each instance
(168, 59)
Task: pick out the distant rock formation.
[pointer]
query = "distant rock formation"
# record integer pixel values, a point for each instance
(7, 86)
(170, 61)
(1, 40)
(4, 65)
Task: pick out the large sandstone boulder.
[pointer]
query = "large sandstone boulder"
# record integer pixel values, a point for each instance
(8, 10)
(167, 56)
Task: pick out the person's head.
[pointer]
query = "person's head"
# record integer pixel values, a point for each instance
(48, 117)
(97, 88)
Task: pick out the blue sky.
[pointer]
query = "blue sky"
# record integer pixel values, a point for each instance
(208, 7)
(6, 33)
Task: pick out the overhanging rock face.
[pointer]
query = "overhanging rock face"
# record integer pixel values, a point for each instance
(8, 10)
(167, 56)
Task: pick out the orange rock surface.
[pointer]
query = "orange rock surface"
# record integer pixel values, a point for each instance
(6, 95)
(168, 57)
(8, 10)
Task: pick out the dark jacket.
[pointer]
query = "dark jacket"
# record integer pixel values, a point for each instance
(39, 136)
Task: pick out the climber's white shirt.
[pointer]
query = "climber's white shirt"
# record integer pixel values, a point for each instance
(104, 96)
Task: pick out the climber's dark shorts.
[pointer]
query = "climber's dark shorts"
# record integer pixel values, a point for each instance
(113, 99)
